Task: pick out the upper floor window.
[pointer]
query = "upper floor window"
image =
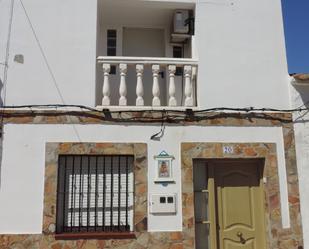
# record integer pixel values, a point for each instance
(111, 42)
(112, 46)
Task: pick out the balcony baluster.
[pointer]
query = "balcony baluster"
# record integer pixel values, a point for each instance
(123, 85)
(106, 87)
(188, 86)
(155, 87)
(139, 85)
(172, 88)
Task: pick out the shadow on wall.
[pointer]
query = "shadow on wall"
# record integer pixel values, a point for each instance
(303, 91)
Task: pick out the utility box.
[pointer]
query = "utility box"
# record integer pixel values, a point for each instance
(163, 203)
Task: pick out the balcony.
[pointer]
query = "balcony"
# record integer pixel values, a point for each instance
(145, 52)
(141, 81)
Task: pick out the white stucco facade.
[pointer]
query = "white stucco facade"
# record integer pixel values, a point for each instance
(239, 45)
(23, 174)
(241, 57)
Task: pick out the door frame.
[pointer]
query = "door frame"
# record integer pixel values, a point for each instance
(212, 194)
(191, 151)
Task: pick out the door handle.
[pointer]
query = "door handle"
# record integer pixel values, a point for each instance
(242, 240)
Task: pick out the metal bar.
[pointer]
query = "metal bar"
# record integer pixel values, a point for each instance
(73, 192)
(127, 193)
(112, 193)
(96, 194)
(201, 191)
(80, 194)
(60, 192)
(64, 192)
(88, 194)
(203, 222)
(104, 194)
(119, 192)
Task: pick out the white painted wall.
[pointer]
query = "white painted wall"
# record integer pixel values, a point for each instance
(299, 97)
(239, 44)
(241, 53)
(21, 193)
(67, 33)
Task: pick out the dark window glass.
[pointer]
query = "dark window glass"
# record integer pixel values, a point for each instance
(113, 70)
(111, 33)
(178, 53)
(112, 46)
(111, 52)
(111, 43)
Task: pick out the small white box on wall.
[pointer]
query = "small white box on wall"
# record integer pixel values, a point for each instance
(163, 203)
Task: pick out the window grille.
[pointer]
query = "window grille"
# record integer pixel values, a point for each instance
(95, 194)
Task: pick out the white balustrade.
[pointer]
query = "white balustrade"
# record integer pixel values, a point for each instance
(139, 85)
(172, 88)
(106, 87)
(155, 87)
(173, 92)
(123, 85)
(188, 86)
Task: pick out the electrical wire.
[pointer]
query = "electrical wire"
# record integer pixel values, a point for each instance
(42, 51)
(5, 77)
(50, 106)
(149, 116)
(7, 52)
(160, 134)
(215, 109)
(46, 61)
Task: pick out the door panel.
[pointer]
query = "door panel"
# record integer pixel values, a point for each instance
(239, 205)
(235, 245)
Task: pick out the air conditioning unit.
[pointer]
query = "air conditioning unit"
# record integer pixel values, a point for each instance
(181, 25)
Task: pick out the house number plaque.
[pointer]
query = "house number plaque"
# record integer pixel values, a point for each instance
(228, 149)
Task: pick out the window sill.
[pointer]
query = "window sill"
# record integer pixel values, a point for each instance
(97, 235)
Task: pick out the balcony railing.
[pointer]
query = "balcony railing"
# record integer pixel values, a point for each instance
(183, 70)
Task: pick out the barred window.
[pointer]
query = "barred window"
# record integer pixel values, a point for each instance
(94, 194)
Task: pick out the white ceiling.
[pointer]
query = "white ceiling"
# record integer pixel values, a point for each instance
(139, 12)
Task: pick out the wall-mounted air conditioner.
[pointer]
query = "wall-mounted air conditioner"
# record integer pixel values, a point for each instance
(181, 25)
